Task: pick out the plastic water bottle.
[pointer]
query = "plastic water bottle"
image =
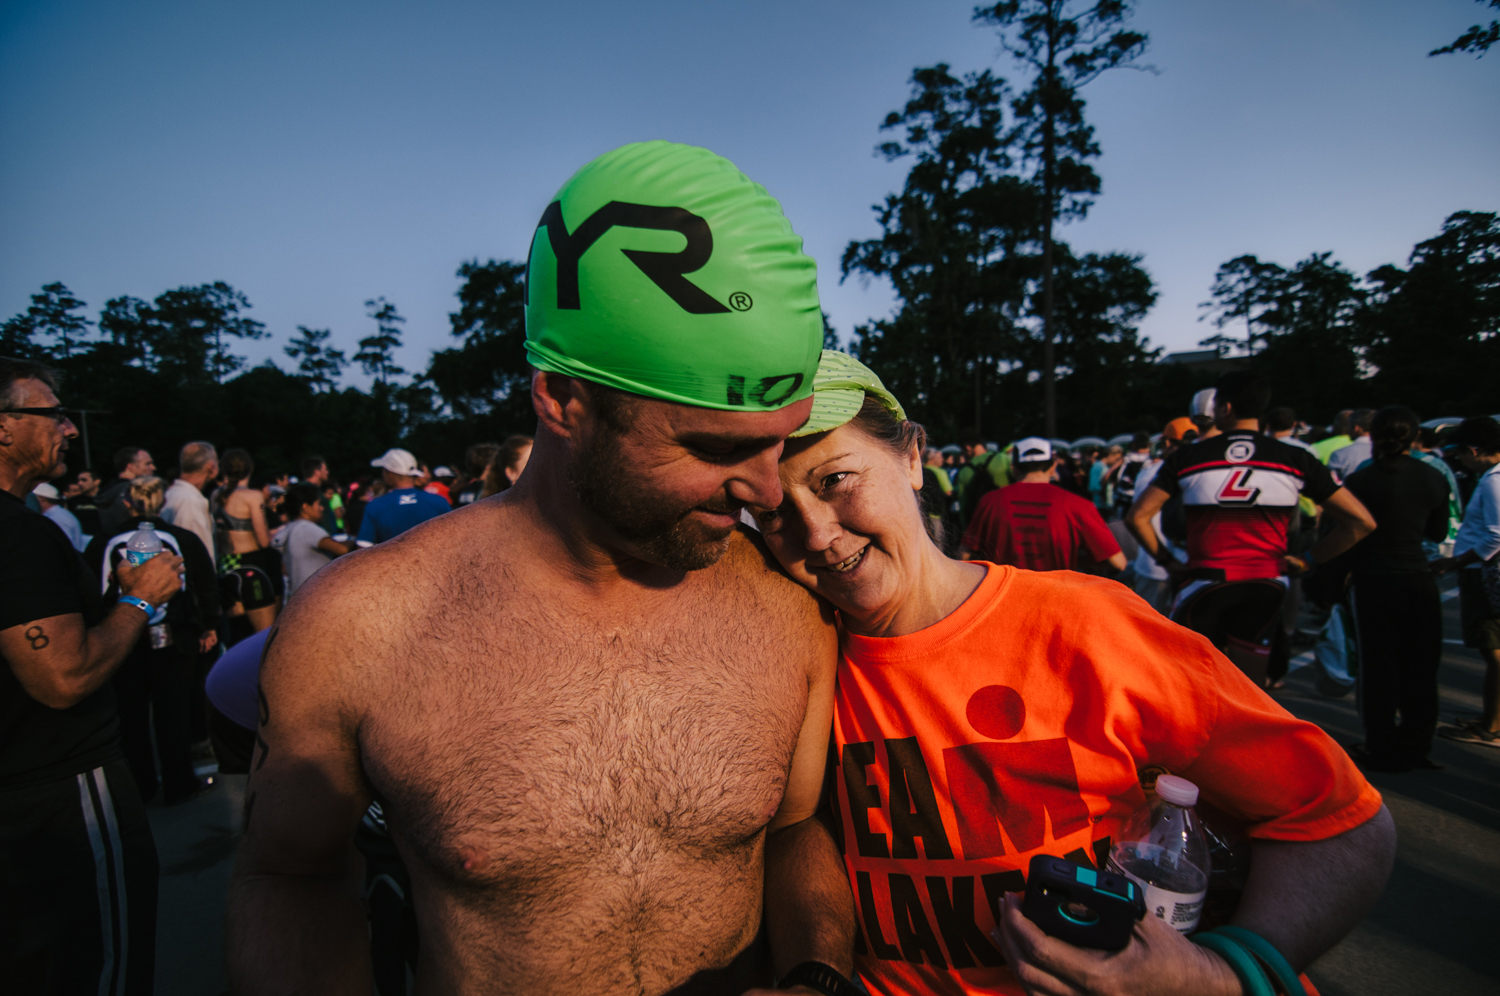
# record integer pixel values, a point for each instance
(1162, 849)
(141, 547)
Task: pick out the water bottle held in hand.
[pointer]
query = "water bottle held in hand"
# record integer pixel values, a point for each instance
(1162, 848)
(141, 547)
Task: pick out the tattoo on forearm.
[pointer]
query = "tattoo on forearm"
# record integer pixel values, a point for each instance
(37, 638)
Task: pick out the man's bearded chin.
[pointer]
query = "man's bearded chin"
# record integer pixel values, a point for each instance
(663, 532)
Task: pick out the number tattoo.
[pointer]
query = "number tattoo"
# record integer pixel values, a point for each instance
(37, 638)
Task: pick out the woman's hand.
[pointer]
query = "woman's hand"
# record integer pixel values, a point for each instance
(1158, 961)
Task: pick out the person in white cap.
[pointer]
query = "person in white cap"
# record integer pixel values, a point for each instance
(52, 508)
(404, 506)
(1037, 525)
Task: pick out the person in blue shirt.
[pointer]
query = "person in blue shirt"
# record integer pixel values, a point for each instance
(404, 506)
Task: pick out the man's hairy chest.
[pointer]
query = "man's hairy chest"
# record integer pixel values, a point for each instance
(541, 745)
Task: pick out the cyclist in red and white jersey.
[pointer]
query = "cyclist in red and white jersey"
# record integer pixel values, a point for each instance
(1239, 491)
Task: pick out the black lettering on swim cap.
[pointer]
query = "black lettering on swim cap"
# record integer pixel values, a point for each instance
(665, 269)
(736, 392)
(761, 394)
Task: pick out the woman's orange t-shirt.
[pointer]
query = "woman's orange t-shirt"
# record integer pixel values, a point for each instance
(1023, 724)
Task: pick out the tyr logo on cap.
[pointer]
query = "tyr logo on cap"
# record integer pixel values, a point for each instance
(665, 269)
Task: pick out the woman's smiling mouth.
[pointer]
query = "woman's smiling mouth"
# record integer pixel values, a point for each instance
(849, 563)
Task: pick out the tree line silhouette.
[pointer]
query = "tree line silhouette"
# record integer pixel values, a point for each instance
(1001, 329)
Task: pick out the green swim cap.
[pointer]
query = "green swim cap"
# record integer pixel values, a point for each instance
(662, 270)
(839, 392)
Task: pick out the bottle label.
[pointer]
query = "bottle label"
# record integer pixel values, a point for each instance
(137, 557)
(1182, 911)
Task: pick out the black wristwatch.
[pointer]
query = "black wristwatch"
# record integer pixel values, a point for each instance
(824, 978)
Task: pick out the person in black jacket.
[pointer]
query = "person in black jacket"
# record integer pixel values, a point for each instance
(154, 687)
(1393, 597)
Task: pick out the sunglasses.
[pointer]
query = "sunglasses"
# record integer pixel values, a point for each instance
(56, 414)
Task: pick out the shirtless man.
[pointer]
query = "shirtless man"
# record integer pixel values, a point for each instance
(592, 709)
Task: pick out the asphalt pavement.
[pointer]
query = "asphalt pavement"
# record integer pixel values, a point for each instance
(1431, 932)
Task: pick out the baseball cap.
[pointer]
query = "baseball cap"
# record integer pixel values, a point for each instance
(398, 461)
(839, 390)
(1178, 428)
(443, 472)
(45, 490)
(1203, 404)
(662, 270)
(1033, 449)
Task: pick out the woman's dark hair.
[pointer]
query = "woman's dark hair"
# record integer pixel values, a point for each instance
(1481, 432)
(1392, 431)
(506, 458)
(298, 497)
(236, 465)
(901, 437)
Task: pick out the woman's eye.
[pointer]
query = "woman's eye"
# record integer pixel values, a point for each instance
(768, 518)
(834, 480)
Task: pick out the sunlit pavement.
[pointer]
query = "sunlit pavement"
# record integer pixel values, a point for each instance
(1433, 932)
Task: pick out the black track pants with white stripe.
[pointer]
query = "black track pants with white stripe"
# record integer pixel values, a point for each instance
(77, 887)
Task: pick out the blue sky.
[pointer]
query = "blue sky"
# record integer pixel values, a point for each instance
(317, 154)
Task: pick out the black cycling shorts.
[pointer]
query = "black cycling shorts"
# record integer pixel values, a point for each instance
(253, 579)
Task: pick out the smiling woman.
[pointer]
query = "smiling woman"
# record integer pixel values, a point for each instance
(993, 714)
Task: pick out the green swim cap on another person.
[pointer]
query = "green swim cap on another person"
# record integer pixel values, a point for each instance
(839, 391)
(662, 270)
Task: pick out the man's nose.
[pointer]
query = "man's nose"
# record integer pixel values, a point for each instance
(757, 481)
(69, 430)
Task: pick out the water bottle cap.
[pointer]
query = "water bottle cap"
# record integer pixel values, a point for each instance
(1177, 791)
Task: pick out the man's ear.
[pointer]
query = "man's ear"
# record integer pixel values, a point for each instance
(560, 402)
(6, 439)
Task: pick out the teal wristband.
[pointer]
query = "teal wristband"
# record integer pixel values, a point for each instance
(1252, 977)
(1269, 957)
(139, 603)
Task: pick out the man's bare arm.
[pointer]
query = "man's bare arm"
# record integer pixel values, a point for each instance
(1138, 519)
(809, 911)
(296, 922)
(60, 662)
(1304, 897)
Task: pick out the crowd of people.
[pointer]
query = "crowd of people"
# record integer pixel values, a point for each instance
(1377, 501)
(724, 679)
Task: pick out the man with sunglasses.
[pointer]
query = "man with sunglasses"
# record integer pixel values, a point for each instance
(77, 863)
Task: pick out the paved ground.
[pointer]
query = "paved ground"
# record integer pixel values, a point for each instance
(1431, 933)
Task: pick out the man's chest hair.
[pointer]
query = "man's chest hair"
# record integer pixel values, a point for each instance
(543, 733)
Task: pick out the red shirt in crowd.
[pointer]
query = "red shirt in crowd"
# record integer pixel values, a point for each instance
(1040, 527)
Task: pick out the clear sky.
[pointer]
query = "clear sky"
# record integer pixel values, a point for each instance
(316, 154)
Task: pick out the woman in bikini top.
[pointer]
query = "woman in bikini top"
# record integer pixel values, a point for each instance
(246, 556)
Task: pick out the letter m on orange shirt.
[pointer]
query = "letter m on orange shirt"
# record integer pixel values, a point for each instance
(1012, 785)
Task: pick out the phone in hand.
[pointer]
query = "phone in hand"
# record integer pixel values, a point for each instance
(1086, 908)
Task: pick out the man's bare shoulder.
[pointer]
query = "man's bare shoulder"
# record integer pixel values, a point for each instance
(750, 562)
(375, 598)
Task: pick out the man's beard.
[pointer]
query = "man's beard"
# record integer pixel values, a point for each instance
(610, 489)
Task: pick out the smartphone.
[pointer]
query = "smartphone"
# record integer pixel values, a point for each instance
(1086, 908)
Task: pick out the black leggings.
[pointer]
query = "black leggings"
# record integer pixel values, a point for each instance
(77, 887)
(1398, 621)
(154, 689)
